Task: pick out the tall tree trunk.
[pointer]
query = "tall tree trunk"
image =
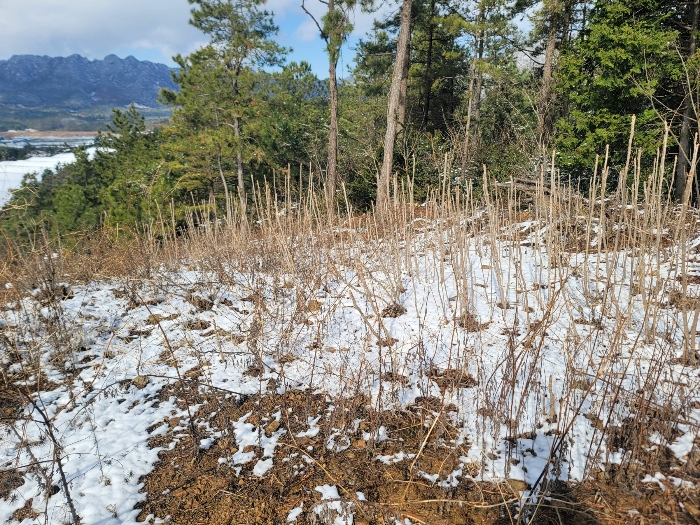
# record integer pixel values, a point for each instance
(472, 84)
(333, 130)
(567, 30)
(392, 112)
(467, 127)
(479, 83)
(428, 81)
(223, 181)
(403, 92)
(684, 139)
(566, 21)
(239, 164)
(332, 136)
(544, 103)
(239, 147)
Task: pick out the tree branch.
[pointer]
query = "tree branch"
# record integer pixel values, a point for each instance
(323, 33)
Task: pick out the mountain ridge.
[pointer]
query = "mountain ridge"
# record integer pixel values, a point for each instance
(76, 82)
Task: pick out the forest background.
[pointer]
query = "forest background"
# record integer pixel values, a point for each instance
(440, 92)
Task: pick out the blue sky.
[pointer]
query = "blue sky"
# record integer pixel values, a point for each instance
(152, 29)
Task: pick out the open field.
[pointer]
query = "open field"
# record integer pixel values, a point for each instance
(48, 134)
(59, 120)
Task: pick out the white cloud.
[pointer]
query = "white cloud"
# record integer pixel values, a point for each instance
(149, 29)
(96, 28)
(307, 31)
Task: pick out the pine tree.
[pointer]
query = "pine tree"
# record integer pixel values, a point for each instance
(334, 28)
(628, 60)
(217, 83)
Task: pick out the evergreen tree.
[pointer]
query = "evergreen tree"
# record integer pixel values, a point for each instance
(216, 96)
(630, 59)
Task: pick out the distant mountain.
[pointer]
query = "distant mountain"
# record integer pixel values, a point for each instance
(75, 83)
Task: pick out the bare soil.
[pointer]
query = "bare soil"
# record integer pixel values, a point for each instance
(192, 485)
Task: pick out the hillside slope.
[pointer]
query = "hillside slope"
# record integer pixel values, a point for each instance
(75, 82)
(453, 367)
(75, 93)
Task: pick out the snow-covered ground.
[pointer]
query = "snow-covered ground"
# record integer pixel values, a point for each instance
(556, 348)
(11, 172)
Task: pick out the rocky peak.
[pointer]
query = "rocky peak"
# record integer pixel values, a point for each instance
(75, 83)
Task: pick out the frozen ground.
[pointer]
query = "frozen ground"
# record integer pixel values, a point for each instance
(11, 172)
(547, 355)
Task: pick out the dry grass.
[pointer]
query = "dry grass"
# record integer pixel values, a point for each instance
(628, 246)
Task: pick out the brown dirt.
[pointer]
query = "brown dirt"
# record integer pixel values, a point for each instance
(191, 486)
(9, 481)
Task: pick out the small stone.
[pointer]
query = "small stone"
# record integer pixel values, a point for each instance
(360, 444)
(314, 306)
(140, 382)
(248, 448)
(272, 427)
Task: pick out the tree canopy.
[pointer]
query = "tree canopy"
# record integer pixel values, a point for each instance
(474, 88)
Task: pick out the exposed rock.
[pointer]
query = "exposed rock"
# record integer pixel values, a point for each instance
(140, 382)
(75, 82)
(272, 428)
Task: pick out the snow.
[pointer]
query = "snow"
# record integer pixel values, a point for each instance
(683, 445)
(525, 360)
(390, 459)
(313, 429)
(12, 172)
(295, 512)
(328, 492)
(333, 508)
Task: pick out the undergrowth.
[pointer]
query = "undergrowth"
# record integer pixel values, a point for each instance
(529, 356)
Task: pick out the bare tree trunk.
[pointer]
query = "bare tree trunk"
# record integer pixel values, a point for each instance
(544, 104)
(684, 139)
(239, 164)
(472, 94)
(237, 133)
(223, 181)
(476, 98)
(404, 88)
(393, 113)
(428, 81)
(332, 134)
(334, 36)
(567, 31)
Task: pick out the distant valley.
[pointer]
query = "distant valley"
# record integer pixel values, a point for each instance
(75, 93)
